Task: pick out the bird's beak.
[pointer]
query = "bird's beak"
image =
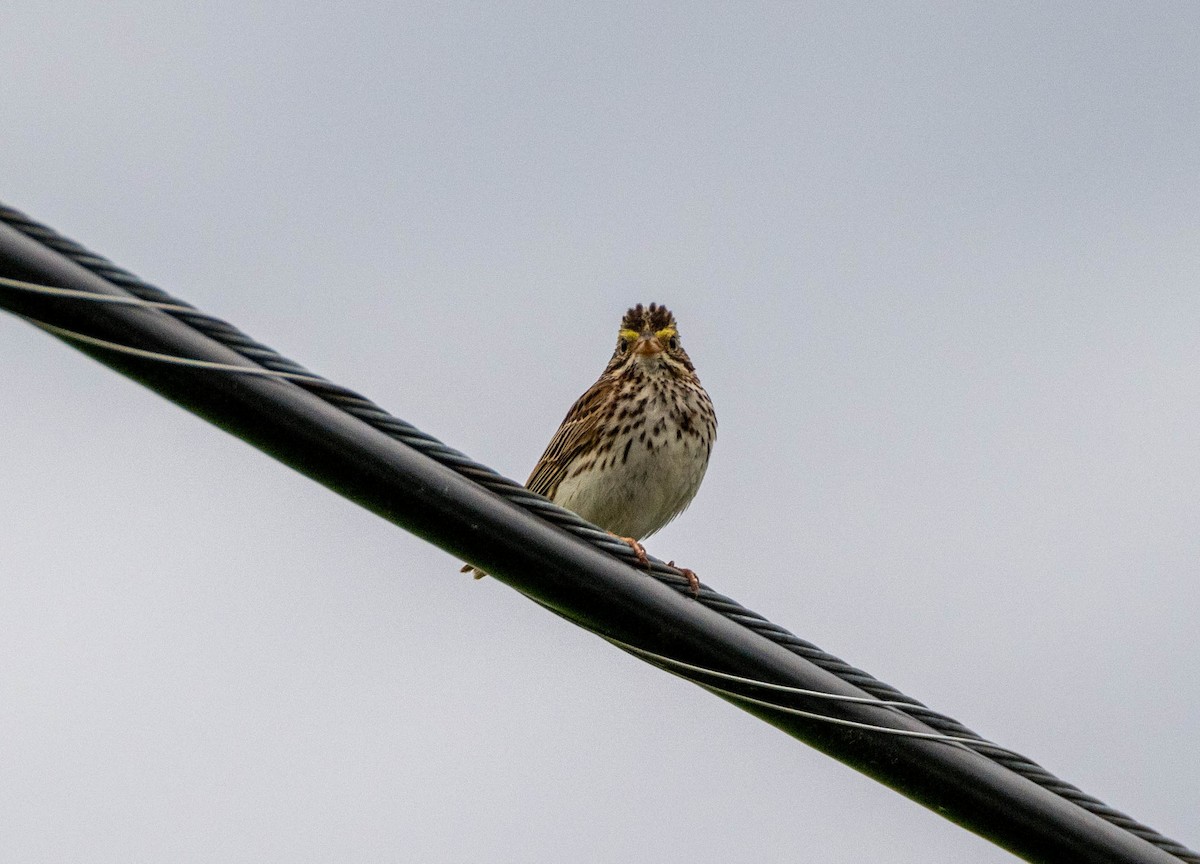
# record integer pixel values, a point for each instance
(648, 345)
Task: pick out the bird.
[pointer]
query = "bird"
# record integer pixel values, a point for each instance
(633, 449)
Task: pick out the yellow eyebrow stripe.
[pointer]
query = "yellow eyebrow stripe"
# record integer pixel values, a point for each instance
(631, 335)
(666, 333)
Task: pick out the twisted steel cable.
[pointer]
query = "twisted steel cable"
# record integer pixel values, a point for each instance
(367, 411)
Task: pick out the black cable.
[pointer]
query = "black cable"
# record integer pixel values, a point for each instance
(359, 407)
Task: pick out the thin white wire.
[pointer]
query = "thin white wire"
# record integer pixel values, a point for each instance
(170, 358)
(126, 300)
(969, 743)
(837, 721)
(965, 743)
(95, 297)
(660, 658)
(784, 688)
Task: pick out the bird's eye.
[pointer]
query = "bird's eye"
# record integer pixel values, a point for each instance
(673, 342)
(622, 345)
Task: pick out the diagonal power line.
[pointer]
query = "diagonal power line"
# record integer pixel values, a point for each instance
(573, 568)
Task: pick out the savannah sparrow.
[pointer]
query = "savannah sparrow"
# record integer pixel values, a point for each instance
(632, 450)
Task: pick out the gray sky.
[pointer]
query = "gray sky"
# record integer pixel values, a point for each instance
(936, 264)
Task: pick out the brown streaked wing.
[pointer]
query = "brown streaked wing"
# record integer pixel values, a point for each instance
(574, 437)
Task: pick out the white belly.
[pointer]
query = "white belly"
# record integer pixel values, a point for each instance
(647, 479)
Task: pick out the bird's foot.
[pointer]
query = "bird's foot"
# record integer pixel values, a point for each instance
(467, 568)
(690, 575)
(638, 549)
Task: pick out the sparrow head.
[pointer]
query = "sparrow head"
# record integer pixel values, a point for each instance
(648, 336)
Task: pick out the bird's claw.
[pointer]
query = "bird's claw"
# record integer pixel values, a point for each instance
(690, 575)
(638, 549)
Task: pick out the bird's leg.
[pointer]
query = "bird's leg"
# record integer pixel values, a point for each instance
(638, 549)
(690, 575)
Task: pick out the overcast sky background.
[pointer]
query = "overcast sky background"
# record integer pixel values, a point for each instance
(937, 265)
